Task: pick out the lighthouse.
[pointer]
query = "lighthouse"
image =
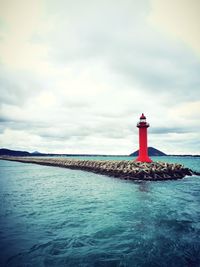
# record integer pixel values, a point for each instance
(143, 149)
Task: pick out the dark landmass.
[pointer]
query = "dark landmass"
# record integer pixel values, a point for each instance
(151, 152)
(35, 152)
(8, 152)
(17, 153)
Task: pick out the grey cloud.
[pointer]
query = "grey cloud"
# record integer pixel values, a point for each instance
(113, 129)
(2, 119)
(127, 44)
(87, 29)
(64, 132)
(20, 123)
(17, 86)
(173, 70)
(81, 132)
(116, 35)
(166, 130)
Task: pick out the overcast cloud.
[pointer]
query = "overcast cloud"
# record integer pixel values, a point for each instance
(76, 75)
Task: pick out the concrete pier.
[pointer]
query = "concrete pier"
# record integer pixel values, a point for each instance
(125, 169)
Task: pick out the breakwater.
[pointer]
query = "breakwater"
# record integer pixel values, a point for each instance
(125, 169)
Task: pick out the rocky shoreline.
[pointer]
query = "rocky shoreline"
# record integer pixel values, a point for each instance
(125, 169)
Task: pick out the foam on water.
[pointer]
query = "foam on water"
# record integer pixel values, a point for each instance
(52, 216)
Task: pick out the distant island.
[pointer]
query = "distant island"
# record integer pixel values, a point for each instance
(151, 152)
(17, 153)
(9, 152)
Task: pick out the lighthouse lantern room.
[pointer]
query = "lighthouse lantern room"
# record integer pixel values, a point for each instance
(143, 149)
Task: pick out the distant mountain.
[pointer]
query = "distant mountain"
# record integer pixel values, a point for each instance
(9, 152)
(15, 153)
(151, 152)
(36, 153)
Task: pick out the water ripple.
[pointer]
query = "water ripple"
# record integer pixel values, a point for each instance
(59, 217)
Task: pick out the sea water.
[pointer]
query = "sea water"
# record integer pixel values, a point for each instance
(51, 216)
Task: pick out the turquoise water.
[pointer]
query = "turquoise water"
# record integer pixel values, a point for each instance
(53, 216)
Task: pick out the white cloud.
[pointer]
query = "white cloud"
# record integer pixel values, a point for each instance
(75, 77)
(178, 18)
(188, 110)
(19, 139)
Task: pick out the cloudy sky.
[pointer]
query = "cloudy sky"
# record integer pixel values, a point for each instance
(76, 75)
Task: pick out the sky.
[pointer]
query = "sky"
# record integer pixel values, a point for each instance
(75, 76)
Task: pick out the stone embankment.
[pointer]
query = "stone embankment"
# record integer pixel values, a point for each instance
(128, 170)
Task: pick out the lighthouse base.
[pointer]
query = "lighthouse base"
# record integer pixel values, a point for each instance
(143, 159)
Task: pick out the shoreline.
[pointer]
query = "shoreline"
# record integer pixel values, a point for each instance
(124, 169)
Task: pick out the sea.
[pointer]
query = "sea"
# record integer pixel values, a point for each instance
(51, 216)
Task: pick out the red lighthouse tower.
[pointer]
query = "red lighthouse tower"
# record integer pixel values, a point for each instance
(143, 150)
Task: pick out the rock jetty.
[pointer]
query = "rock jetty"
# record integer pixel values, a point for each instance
(125, 169)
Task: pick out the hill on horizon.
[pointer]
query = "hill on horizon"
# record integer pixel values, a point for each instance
(9, 152)
(151, 152)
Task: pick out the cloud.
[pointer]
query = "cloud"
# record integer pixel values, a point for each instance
(167, 130)
(178, 18)
(75, 77)
(17, 86)
(135, 51)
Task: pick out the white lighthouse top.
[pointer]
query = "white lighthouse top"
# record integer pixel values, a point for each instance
(142, 123)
